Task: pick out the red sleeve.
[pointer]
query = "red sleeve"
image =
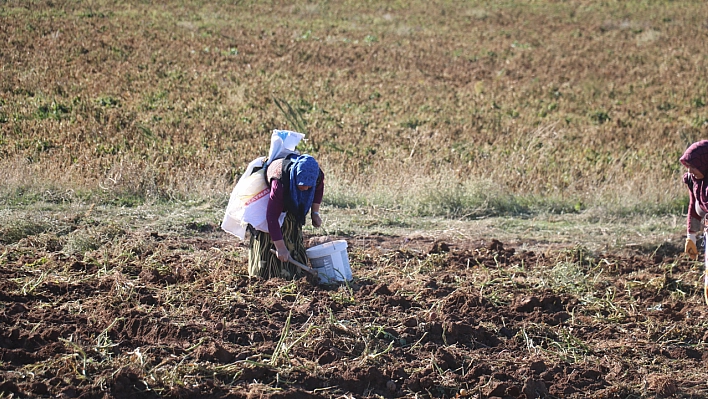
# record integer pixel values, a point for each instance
(693, 220)
(692, 214)
(276, 205)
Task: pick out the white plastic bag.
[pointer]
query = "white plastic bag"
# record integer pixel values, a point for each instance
(250, 191)
(283, 143)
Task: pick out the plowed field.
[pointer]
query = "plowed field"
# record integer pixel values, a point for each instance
(165, 316)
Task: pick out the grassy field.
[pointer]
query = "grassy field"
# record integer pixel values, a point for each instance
(443, 109)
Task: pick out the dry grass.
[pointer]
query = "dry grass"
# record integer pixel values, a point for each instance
(557, 106)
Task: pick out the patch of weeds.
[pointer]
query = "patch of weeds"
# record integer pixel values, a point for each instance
(30, 285)
(344, 296)
(568, 347)
(49, 242)
(201, 227)
(560, 342)
(127, 200)
(605, 309)
(88, 239)
(39, 145)
(152, 100)
(81, 241)
(665, 106)
(599, 117)
(288, 290)
(94, 14)
(111, 231)
(104, 344)
(379, 332)
(372, 349)
(393, 222)
(108, 102)
(678, 288)
(699, 121)
(434, 262)
(15, 230)
(54, 110)
(345, 200)
(568, 277)
(412, 123)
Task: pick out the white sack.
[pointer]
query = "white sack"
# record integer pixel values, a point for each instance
(251, 188)
(283, 143)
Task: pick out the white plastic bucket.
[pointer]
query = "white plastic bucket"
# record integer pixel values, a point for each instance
(331, 261)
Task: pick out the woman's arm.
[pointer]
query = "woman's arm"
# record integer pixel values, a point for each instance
(694, 223)
(319, 193)
(693, 220)
(276, 205)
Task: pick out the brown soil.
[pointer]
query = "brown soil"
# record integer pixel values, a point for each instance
(421, 319)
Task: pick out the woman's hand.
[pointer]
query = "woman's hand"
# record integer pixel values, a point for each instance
(690, 249)
(281, 251)
(316, 219)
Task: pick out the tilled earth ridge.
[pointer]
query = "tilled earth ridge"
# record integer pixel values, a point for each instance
(149, 316)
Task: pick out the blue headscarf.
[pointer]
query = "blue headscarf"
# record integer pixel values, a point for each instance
(304, 171)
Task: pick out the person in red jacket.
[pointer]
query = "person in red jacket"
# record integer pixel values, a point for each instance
(296, 189)
(695, 159)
